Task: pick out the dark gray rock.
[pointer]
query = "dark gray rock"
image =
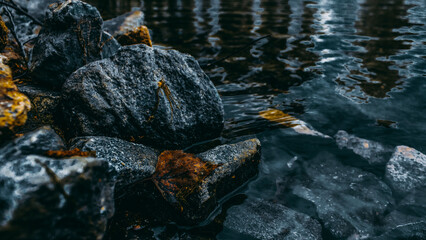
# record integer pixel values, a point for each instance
(406, 170)
(109, 45)
(347, 200)
(73, 201)
(260, 219)
(131, 162)
(408, 220)
(120, 97)
(239, 162)
(374, 152)
(70, 38)
(124, 23)
(37, 142)
(36, 8)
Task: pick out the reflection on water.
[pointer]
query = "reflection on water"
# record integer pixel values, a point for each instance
(355, 65)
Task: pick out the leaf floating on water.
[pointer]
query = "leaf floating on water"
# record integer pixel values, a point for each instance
(70, 153)
(178, 174)
(275, 115)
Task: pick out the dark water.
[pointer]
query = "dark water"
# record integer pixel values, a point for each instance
(358, 66)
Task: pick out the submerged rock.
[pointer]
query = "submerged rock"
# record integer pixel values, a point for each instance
(260, 219)
(406, 169)
(43, 198)
(131, 162)
(70, 38)
(374, 152)
(347, 200)
(161, 97)
(36, 142)
(408, 220)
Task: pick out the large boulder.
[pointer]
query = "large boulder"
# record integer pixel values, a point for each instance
(347, 200)
(265, 220)
(44, 198)
(70, 38)
(406, 169)
(131, 162)
(158, 97)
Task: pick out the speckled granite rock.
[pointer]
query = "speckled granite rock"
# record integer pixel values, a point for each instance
(70, 38)
(346, 199)
(374, 152)
(36, 142)
(43, 198)
(260, 219)
(131, 162)
(160, 98)
(406, 169)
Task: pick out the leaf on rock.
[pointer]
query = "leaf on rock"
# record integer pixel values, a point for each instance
(178, 174)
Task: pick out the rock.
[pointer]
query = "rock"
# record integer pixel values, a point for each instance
(131, 162)
(14, 105)
(109, 45)
(260, 219)
(374, 152)
(347, 200)
(408, 220)
(37, 142)
(136, 36)
(36, 8)
(161, 98)
(4, 34)
(124, 23)
(70, 38)
(44, 106)
(191, 204)
(406, 169)
(43, 198)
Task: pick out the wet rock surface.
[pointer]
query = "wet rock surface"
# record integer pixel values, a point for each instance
(260, 219)
(124, 23)
(161, 97)
(36, 142)
(236, 164)
(131, 162)
(406, 169)
(408, 220)
(375, 153)
(43, 198)
(70, 38)
(347, 200)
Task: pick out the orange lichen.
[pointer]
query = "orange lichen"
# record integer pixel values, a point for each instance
(70, 153)
(136, 36)
(178, 174)
(170, 98)
(14, 105)
(4, 34)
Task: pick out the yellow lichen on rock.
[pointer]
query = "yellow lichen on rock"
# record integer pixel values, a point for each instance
(136, 36)
(14, 105)
(4, 34)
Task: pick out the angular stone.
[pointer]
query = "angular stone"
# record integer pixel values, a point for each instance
(131, 162)
(70, 38)
(374, 152)
(43, 198)
(160, 98)
(347, 200)
(406, 169)
(109, 45)
(37, 142)
(238, 163)
(136, 36)
(124, 23)
(260, 219)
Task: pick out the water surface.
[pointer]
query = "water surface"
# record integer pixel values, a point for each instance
(354, 65)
